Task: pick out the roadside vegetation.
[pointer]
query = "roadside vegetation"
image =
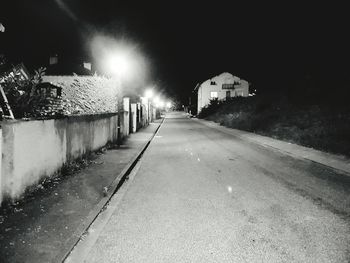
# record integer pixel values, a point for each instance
(322, 123)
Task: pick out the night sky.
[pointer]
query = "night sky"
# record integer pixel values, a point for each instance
(270, 45)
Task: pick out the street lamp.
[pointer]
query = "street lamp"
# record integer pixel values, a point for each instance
(120, 59)
(117, 65)
(149, 94)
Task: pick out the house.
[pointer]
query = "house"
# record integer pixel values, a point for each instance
(222, 87)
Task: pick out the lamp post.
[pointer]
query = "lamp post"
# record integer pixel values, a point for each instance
(122, 61)
(117, 66)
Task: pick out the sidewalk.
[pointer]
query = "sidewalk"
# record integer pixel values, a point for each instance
(47, 224)
(337, 162)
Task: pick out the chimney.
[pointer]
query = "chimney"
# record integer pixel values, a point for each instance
(53, 60)
(87, 65)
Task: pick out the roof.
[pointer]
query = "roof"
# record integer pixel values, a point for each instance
(196, 87)
(226, 77)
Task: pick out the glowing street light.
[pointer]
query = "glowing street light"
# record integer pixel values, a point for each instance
(149, 94)
(118, 64)
(156, 100)
(119, 58)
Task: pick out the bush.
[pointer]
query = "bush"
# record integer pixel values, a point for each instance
(211, 108)
(316, 125)
(19, 91)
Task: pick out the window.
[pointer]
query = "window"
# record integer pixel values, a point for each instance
(213, 94)
(212, 83)
(228, 86)
(228, 94)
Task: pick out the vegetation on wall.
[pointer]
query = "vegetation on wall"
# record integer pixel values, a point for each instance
(87, 95)
(40, 96)
(20, 92)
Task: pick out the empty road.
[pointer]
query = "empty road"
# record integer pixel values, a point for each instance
(200, 195)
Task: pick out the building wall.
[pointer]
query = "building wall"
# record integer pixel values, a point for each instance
(32, 150)
(215, 85)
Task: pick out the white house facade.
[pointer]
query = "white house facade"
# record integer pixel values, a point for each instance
(223, 86)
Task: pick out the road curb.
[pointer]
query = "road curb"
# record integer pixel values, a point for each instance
(337, 163)
(112, 189)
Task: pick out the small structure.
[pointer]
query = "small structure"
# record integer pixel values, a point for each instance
(47, 101)
(223, 86)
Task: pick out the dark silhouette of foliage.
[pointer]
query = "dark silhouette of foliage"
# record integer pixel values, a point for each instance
(20, 91)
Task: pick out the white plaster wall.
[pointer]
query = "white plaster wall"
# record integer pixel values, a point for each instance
(32, 150)
(244, 87)
(204, 93)
(101, 134)
(76, 140)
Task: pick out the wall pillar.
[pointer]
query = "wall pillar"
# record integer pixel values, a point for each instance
(126, 108)
(133, 118)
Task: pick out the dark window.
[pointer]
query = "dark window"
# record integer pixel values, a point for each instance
(228, 94)
(228, 86)
(212, 83)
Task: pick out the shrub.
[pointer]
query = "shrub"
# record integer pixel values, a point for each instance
(211, 108)
(318, 126)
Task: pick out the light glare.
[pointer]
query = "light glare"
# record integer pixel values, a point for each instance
(156, 100)
(149, 94)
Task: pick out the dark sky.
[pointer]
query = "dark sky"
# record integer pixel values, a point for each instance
(270, 45)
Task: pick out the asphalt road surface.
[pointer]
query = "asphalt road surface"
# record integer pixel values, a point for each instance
(201, 195)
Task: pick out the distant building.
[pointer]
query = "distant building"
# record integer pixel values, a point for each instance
(222, 87)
